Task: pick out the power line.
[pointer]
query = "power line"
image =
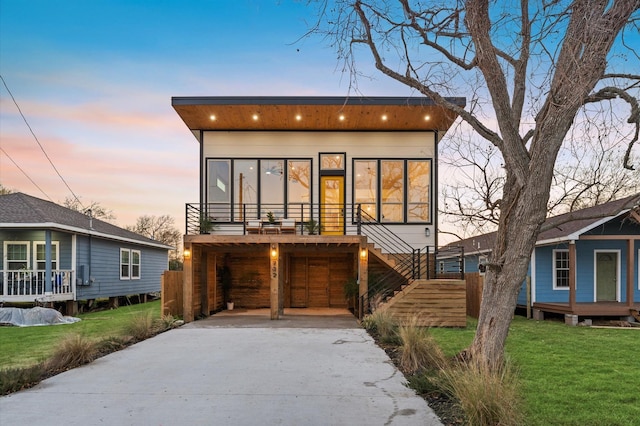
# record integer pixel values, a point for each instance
(40, 145)
(25, 173)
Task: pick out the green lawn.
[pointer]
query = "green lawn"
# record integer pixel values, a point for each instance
(26, 346)
(571, 375)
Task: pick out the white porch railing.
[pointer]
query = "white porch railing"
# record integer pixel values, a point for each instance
(28, 285)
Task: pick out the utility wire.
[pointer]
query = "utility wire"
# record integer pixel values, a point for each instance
(25, 173)
(40, 145)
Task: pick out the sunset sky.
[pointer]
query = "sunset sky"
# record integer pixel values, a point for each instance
(94, 80)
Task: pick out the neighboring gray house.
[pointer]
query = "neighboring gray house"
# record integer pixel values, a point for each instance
(585, 263)
(54, 254)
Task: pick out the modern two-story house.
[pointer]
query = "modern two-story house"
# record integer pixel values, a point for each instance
(301, 195)
(52, 254)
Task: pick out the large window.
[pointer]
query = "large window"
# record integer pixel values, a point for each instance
(298, 189)
(129, 264)
(219, 190)
(561, 269)
(259, 186)
(366, 188)
(393, 191)
(16, 255)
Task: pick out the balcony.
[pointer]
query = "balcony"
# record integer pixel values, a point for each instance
(30, 286)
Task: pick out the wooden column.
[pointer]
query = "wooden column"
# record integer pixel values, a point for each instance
(187, 284)
(630, 262)
(572, 275)
(275, 281)
(363, 279)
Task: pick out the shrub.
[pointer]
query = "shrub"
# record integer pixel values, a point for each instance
(72, 351)
(140, 326)
(487, 396)
(418, 348)
(15, 379)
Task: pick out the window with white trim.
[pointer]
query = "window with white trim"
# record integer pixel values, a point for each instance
(561, 269)
(129, 264)
(135, 264)
(16, 255)
(125, 263)
(41, 258)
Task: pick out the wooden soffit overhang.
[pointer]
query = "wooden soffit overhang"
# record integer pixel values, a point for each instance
(314, 113)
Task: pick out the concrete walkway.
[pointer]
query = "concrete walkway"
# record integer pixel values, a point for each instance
(232, 370)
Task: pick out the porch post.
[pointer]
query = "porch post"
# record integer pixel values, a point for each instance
(275, 281)
(363, 278)
(572, 275)
(204, 284)
(48, 283)
(187, 283)
(630, 263)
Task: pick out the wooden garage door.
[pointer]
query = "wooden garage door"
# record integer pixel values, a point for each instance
(298, 280)
(318, 282)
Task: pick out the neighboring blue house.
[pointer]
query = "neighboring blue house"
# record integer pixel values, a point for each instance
(54, 254)
(585, 262)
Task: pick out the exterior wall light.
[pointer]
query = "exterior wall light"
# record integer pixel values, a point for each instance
(186, 253)
(427, 232)
(363, 253)
(274, 252)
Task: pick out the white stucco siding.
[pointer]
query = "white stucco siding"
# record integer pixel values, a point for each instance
(309, 144)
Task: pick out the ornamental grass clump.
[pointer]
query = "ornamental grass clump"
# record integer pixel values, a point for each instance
(140, 326)
(418, 348)
(72, 351)
(383, 325)
(487, 396)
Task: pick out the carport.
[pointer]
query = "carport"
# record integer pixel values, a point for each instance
(270, 271)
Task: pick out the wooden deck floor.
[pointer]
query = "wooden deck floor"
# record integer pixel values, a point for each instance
(589, 309)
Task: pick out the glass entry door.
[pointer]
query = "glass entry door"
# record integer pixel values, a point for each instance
(332, 205)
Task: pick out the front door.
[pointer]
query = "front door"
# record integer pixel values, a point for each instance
(332, 205)
(606, 276)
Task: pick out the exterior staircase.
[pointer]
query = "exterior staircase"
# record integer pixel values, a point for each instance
(403, 281)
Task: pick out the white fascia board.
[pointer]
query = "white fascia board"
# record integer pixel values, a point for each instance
(50, 225)
(576, 235)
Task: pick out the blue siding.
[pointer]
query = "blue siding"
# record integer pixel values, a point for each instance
(63, 239)
(101, 261)
(585, 265)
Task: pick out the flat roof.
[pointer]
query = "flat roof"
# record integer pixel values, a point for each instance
(314, 113)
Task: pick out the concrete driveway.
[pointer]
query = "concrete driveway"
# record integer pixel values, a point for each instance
(232, 370)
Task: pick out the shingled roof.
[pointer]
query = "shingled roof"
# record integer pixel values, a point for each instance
(567, 226)
(18, 210)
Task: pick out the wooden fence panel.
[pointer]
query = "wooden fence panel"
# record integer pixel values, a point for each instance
(171, 298)
(475, 282)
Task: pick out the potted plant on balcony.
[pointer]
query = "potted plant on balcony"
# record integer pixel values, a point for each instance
(271, 218)
(312, 227)
(206, 224)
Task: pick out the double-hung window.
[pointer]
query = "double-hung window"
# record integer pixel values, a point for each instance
(561, 269)
(16, 255)
(129, 264)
